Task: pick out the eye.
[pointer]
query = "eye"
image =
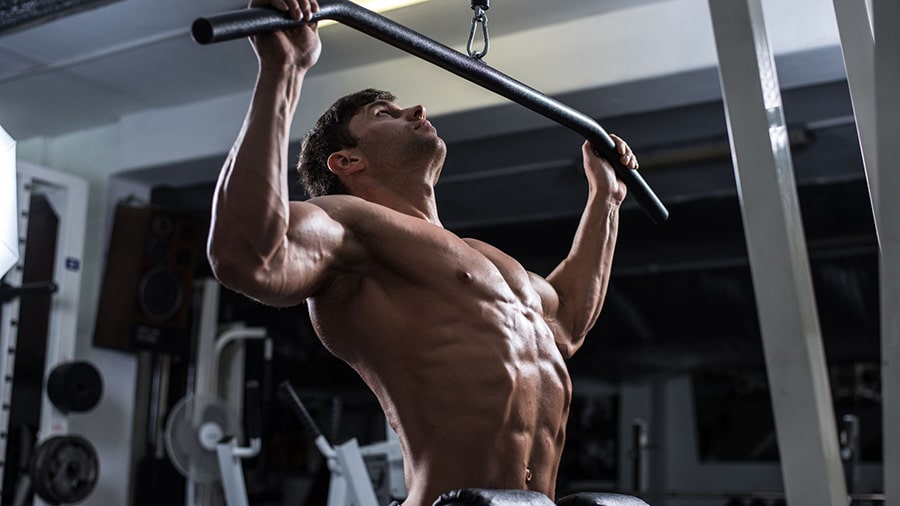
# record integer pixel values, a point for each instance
(382, 112)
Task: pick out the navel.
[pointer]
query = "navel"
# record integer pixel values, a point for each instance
(465, 276)
(528, 475)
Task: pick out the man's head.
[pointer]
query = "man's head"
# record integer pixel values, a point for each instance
(330, 134)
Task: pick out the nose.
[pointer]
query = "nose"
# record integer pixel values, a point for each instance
(416, 112)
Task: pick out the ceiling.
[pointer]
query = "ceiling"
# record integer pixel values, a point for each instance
(95, 66)
(680, 296)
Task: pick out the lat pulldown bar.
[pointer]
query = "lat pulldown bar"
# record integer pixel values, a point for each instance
(245, 22)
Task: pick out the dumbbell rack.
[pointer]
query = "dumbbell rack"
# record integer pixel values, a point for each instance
(68, 195)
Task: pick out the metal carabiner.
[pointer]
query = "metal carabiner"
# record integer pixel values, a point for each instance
(480, 17)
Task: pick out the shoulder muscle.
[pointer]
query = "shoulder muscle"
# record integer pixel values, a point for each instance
(318, 245)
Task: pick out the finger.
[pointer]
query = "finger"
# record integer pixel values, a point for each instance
(284, 6)
(297, 11)
(305, 9)
(621, 146)
(288, 6)
(633, 162)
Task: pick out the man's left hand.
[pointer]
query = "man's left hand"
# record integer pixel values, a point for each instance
(600, 172)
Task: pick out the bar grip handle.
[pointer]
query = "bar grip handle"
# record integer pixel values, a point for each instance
(241, 23)
(288, 396)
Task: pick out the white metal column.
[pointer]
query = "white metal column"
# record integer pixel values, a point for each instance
(887, 87)
(795, 360)
(858, 48)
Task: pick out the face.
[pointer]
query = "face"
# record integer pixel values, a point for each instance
(398, 139)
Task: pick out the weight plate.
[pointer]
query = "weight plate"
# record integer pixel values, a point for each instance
(75, 387)
(64, 469)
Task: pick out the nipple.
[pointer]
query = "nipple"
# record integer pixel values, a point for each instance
(527, 474)
(464, 276)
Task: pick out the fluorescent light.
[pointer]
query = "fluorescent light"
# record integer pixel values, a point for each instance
(9, 212)
(378, 6)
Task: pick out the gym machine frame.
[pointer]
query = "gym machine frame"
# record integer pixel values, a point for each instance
(350, 483)
(68, 195)
(231, 389)
(242, 23)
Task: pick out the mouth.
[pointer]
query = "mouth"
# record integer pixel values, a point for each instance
(424, 123)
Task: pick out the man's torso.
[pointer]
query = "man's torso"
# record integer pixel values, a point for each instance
(452, 337)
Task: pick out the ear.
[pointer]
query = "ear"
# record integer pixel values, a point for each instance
(345, 162)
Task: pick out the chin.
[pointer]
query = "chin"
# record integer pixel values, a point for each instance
(441, 149)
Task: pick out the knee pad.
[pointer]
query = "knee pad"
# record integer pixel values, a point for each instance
(600, 499)
(487, 497)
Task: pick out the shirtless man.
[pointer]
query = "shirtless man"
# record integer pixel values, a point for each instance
(463, 347)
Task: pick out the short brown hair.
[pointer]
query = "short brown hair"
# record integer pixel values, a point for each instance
(330, 134)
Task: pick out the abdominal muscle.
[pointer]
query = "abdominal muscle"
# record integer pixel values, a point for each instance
(467, 373)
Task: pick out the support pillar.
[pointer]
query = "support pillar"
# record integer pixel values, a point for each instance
(887, 83)
(792, 339)
(858, 49)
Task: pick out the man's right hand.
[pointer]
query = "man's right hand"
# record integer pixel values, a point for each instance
(299, 47)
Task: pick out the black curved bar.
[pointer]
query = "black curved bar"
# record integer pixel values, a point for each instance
(245, 22)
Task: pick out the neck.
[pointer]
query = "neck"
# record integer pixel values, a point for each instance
(418, 203)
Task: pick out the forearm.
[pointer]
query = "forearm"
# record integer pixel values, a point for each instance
(250, 207)
(581, 280)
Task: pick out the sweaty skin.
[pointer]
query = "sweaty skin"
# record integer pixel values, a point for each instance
(463, 347)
